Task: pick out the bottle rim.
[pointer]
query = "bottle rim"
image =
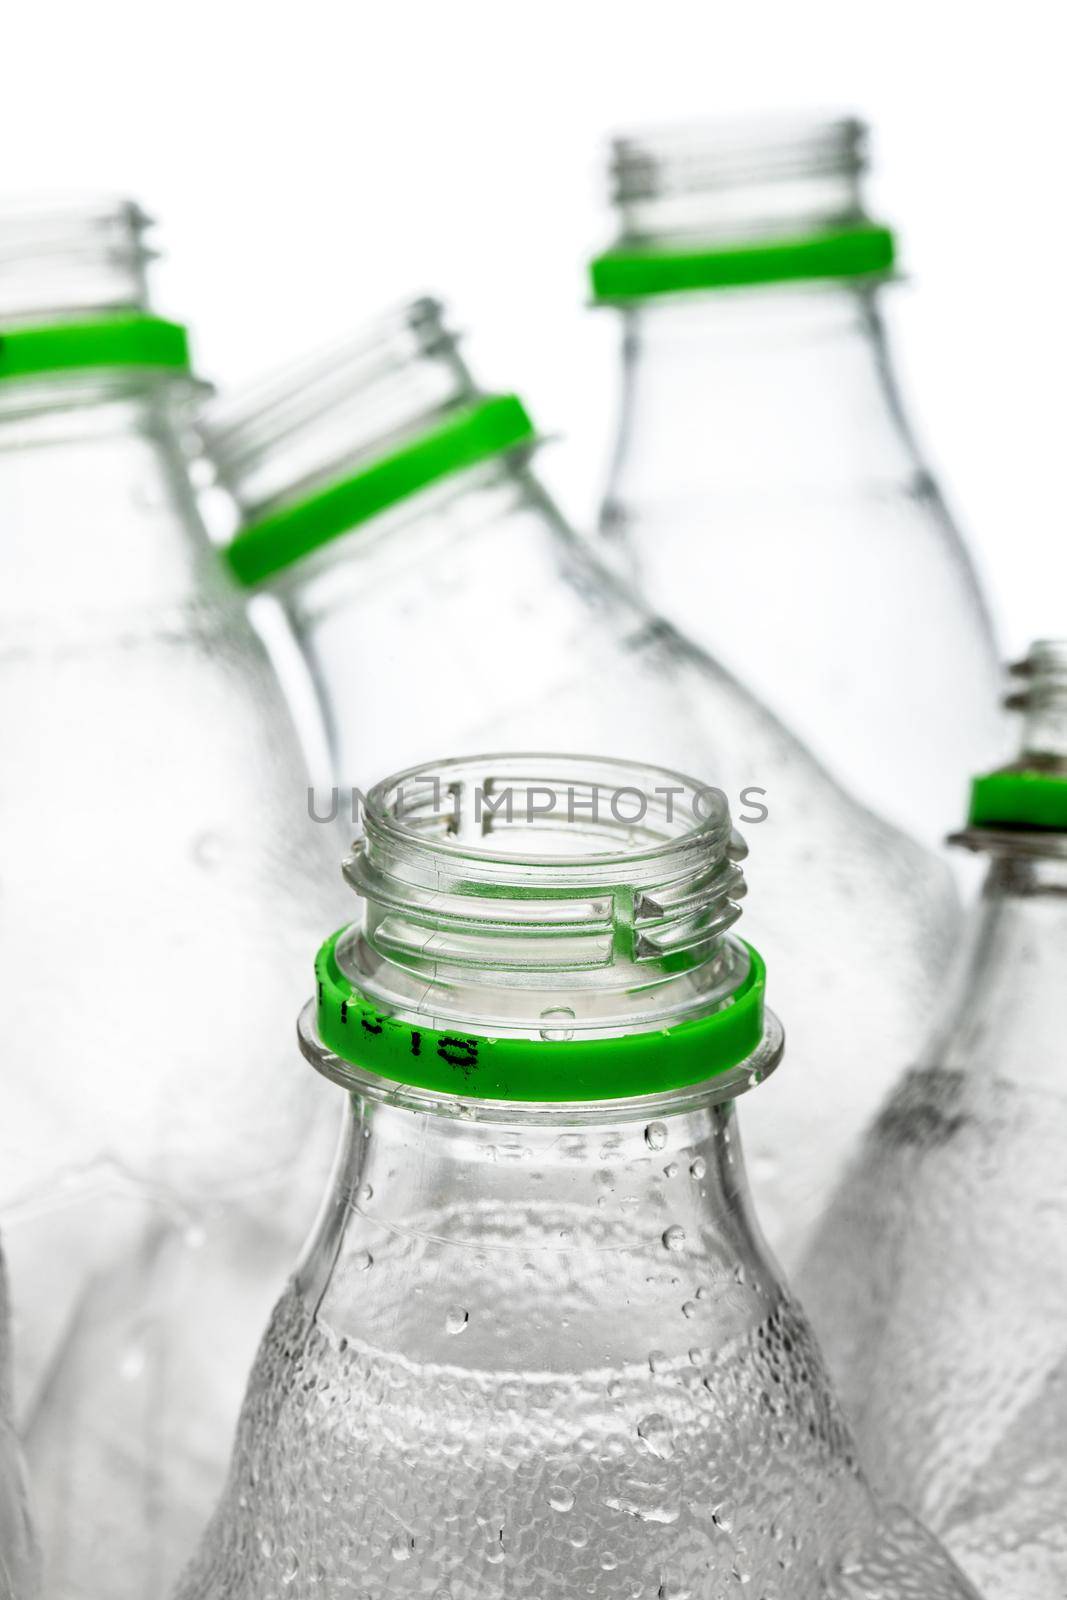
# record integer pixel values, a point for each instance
(465, 437)
(140, 341)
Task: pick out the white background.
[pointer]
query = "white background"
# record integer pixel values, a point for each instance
(312, 162)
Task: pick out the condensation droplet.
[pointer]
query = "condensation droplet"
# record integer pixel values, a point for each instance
(672, 1591)
(290, 1564)
(132, 1362)
(698, 1168)
(690, 1308)
(401, 1546)
(559, 1017)
(656, 1434)
(362, 1260)
(457, 1319)
(657, 1361)
(656, 1135)
(208, 850)
(608, 1561)
(560, 1498)
(671, 1169)
(674, 1238)
(266, 1545)
(367, 1192)
(614, 1389)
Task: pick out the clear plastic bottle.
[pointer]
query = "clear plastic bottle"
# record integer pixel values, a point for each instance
(441, 603)
(536, 1344)
(766, 489)
(159, 876)
(938, 1280)
(19, 1558)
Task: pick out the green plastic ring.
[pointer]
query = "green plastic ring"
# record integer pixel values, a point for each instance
(467, 437)
(1014, 799)
(622, 274)
(457, 1063)
(137, 341)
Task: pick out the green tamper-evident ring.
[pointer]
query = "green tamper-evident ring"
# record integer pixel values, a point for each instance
(468, 436)
(455, 1062)
(133, 341)
(632, 273)
(1019, 799)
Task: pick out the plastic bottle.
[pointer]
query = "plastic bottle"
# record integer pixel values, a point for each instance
(767, 492)
(159, 874)
(537, 1345)
(938, 1280)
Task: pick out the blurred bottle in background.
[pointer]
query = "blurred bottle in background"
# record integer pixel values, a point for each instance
(160, 876)
(537, 1345)
(19, 1559)
(441, 603)
(766, 489)
(938, 1280)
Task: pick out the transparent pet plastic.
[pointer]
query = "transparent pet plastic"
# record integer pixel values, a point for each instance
(160, 882)
(471, 616)
(938, 1279)
(538, 1347)
(767, 493)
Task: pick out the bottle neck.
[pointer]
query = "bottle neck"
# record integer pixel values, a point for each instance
(403, 605)
(99, 511)
(1005, 1017)
(769, 391)
(654, 1213)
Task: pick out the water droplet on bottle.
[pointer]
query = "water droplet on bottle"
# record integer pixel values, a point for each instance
(290, 1564)
(362, 1260)
(208, 850)
(696, 1357)
(656, 1135)
(367, 1192)
(671, 1169)
(690, 1308)
(457, 1319)
(132, 1362)
(698, 1168)
(674, 1238)
(657, 1361)
(266, 1545)
(559, 1017)
(608, 1561)
(614, 1389)
(657, 1435)
(672, 1591)
(561, 1499)
(400, 1546)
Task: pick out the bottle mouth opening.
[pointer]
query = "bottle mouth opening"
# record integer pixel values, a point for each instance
(274, 442)
(564, 817)
(708, 157)
(70, 258)
(544, 927)
(1022, 808)
(740, 205)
